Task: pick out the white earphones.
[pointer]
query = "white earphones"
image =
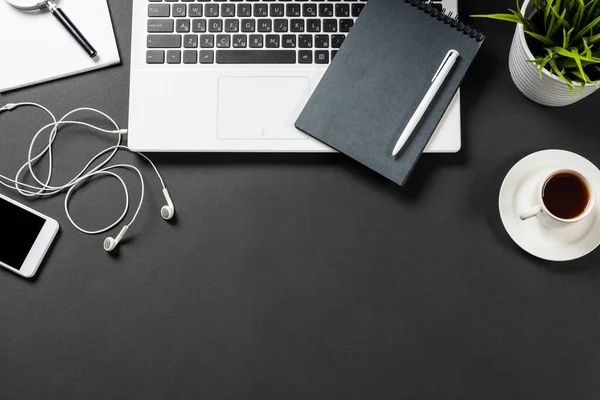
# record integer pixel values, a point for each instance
(168, 211)
(44, 189)
(110, 244)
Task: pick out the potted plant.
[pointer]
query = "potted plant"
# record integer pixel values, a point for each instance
(555, 54)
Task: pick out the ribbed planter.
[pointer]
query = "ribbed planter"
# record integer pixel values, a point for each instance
(549, 90)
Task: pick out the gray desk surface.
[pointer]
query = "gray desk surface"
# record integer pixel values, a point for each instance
(305, 276)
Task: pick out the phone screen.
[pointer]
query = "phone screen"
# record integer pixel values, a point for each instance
(20, 229)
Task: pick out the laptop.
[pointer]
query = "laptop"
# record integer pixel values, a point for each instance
(233, 75)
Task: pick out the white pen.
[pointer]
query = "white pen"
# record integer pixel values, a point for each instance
(436, 83)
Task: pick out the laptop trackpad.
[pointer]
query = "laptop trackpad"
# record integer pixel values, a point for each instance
(261, 107)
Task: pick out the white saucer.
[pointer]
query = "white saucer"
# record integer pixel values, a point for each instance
(554, 244)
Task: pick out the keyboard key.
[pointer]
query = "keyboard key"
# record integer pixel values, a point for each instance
(321, 41)
(260, 10)
(256, 56)
(190, 41)
(288, 41)
(248, 25)
(297, 25)
(207, 41)
(309, 10)
(276, 10)
(240, 41)
(164, 41)
(272, 41)
(174, 57)
(333, 53)
(305, 41)
(346, 24)
(232, 25)
(155, 57)
(281, 25)
(337, 40)
(330, 25)
(159, 10)
(313, 25)
(215, 25)
(321, 56)
(179, 10)
(326, 10)
(207, 56)
(343, 10)
(264, 25)
(211, 10)
(161, 25)
(190, 57)
(244, 10)
(199, 25)
(223, 41)
(356, 9)
(227, 10)
(292, 10)
(183, 25)
(256, 41)
(194, 10)
(305, 57)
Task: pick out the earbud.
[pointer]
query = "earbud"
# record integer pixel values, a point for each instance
(168, 211)
(110, 244)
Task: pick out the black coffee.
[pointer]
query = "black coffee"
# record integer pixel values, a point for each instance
(566, 195)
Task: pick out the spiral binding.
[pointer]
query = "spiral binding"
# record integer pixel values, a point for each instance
(448, 19)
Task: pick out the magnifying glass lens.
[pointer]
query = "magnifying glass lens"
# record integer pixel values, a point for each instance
(28, 5)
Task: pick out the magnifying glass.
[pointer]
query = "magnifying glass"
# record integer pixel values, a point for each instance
(34, 5)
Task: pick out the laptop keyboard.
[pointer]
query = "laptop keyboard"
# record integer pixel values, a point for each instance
(249, 31)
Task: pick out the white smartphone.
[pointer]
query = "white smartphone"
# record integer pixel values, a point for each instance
(26, 237)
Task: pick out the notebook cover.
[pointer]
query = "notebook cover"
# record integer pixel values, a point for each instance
(378, 78)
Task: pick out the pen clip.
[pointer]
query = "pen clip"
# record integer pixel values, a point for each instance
(444, 61)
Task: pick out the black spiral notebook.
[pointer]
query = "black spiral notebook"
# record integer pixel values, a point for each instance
(379, 77)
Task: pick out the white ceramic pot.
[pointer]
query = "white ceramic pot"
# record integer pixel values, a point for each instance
(549, 90)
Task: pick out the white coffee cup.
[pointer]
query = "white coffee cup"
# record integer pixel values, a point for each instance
(540, 210)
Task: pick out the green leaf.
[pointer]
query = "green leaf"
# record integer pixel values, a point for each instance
(560, 18)
(567, 37)
(582, 82)
(528, 25)
(541, 38)
(590, 11)
(587, 49)
(579, 14)
(500, 17)
(587, 29)
(594, 39)
(570, 54)
(547, 12)
(577, 58)
(542, 64)
(539, 4)
(554, 67)
(556, 22)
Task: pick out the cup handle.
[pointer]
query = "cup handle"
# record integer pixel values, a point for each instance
(532, 212)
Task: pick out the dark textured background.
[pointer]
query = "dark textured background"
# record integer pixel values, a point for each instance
(305, 277)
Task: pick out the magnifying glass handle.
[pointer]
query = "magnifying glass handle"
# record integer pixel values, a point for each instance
(70, 26)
